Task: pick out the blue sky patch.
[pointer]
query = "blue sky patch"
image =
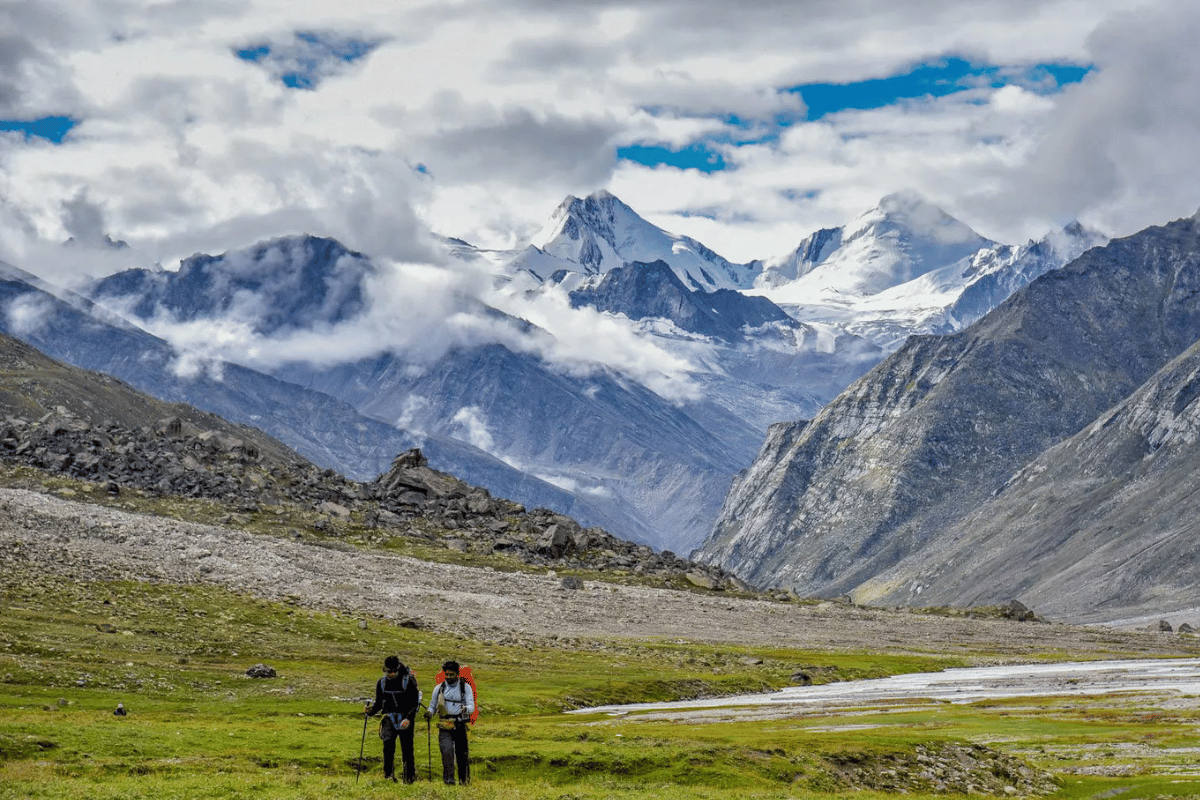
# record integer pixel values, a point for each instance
(308, 57)
(697, 156)
(932, 80)
(50, 128)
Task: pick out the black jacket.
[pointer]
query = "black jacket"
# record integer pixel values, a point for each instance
(398, 695)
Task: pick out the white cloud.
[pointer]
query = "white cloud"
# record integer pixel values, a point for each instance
(421, 310)
(1121, 148)
(26, 313)
(474, 118)
(575, 486)
(468, 425)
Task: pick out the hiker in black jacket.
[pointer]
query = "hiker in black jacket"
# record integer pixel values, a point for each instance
(397, 696)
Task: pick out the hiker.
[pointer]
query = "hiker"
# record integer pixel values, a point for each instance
(120, 710)
(452, 703)
(397, 696)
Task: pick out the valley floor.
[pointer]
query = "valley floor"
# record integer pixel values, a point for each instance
(58, 537)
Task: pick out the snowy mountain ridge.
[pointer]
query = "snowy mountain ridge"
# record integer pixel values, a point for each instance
(903, 267)
(564, 359)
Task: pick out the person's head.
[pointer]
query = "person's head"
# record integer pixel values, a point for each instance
(450, 668)
(392, 666)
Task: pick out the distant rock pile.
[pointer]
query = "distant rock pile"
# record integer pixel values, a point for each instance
(476, 522)
(172, 458)
(168, 457)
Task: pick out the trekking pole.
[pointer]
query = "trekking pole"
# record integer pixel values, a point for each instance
(467, 753)
(429, 750)
(361, 747)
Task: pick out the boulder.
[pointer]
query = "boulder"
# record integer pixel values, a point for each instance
(410, 459)
(555, 542)
(1015, 609)
(218, 442)
(261, 671)
(333, 509)
(480, 502)
(171, 427)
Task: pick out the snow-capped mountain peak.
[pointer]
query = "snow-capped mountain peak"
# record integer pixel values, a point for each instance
(599, 233)
(909, 214)
(903, 237)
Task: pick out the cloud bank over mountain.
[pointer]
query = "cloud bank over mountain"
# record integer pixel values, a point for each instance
(207, 126)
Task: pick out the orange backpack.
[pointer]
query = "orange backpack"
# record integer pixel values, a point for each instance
(465, 674)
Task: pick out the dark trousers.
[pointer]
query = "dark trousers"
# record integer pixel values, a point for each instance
(389, 734)
(453, 744)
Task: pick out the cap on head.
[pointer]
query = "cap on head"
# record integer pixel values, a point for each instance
(450, 666)
(392, 664)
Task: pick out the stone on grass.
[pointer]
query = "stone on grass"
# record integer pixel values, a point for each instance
(261, 671)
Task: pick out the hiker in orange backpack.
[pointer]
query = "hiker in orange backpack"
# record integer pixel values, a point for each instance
(453, 703)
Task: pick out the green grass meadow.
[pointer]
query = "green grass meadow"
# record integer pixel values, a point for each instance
(197, 727)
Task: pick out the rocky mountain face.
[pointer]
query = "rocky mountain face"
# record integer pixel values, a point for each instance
(1099, 527)
(92, 434)
(654, 291)
(655, 473)
(292, 282)
(893, 467)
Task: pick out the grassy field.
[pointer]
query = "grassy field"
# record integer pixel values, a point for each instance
(198, 727)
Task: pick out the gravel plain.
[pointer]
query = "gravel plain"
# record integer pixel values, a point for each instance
(82, 541)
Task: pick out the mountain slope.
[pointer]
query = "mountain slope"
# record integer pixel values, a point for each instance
(291, 282)
(926, 437)
(35, 385)
(654, 291)
(657, 474)
(321, 428)
(1101, 526)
